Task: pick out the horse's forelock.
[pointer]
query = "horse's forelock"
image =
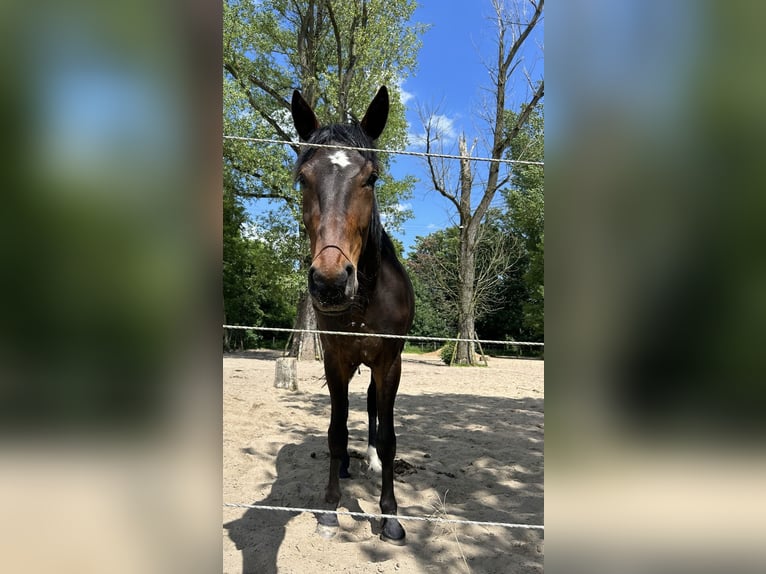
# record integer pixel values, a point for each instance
(350, 135)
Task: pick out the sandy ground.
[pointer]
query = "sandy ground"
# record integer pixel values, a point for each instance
(470, 446)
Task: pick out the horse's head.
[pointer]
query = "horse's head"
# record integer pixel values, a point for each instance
(339, 206)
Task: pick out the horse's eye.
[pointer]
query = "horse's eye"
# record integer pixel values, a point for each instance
(371, 180)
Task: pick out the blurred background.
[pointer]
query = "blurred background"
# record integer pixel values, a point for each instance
(110, 286)
(656, 287)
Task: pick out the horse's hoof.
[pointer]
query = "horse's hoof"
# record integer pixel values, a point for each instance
(327, 532)
(392, 532)
(327, 525)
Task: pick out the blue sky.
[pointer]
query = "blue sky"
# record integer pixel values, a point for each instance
(452, 76)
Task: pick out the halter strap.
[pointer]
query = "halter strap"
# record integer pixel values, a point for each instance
(336, 247)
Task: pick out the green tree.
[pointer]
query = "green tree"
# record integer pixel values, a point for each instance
(525, 201)
(258, 286)
(432, 268)
(337, 52)
(520, 312)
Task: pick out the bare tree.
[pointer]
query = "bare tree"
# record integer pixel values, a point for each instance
(438, 256)
(513, 27)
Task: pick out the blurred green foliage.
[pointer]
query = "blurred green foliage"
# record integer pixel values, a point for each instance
(109, 285)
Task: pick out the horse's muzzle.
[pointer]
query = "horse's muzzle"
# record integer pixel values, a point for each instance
(332, 291)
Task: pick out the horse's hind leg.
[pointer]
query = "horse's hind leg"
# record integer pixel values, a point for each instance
(372, 454)
(373, 461)
(386, 386)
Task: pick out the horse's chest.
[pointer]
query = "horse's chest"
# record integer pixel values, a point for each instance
(355, 350)
(367, 355)
(366, 349)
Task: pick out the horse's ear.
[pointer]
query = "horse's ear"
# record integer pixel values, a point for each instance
(375, 117)
(304, 120)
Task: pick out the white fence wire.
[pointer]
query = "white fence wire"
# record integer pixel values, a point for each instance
(384, 335)
(391, 151)
(436, 519)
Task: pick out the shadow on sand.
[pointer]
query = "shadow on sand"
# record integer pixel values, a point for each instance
(443, 445)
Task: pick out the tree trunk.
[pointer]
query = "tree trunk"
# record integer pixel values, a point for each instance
(466, 353)
(305, 346)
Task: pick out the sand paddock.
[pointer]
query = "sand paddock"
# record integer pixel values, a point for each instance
(469, 446)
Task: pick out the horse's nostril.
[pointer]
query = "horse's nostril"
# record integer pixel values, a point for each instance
(333, 287)
(312, 277)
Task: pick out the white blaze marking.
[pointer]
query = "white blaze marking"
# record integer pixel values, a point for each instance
(373, 461)
(340, 159)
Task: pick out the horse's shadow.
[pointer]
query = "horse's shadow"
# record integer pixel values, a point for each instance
(258, 534)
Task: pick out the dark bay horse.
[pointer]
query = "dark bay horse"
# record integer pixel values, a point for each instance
(356, 284)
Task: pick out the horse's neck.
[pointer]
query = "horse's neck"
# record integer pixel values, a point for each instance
(369, 263)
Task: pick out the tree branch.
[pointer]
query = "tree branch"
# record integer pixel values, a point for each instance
(524, 34)
(291, 201)
(270, 192)
(339, 56)
(438, 185)
(524, 115)
(437, 179)
(231, 68)
(271, 91)
(241, 168)
(503, 181)
(506, 66)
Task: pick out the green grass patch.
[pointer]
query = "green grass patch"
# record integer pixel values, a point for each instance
(416, 349)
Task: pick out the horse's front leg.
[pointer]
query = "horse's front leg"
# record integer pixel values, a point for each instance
(387, 383)
(338, 377)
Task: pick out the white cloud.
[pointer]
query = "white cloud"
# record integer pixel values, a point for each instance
(404, 95)
(386, 214)
(442, 130)
(399, 207)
